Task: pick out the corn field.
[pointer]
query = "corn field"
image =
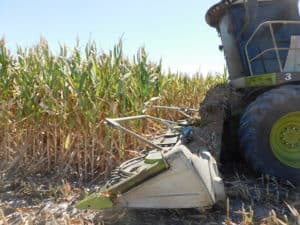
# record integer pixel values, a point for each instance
(53, 105)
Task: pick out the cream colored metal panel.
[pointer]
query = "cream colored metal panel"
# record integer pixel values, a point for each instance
(190, 182)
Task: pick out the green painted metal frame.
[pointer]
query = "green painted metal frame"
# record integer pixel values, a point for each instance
(266, 80)
(106, 198)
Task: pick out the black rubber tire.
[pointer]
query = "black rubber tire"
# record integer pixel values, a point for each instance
(255, 128)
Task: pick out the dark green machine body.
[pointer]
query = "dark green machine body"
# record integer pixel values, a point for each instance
(261, 44)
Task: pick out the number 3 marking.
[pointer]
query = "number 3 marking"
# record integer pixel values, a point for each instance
(288, 76)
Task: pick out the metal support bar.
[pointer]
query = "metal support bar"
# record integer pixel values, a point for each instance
(247, 56)
(276, 47)
(182, 110)
(269, 50)
(115, 123)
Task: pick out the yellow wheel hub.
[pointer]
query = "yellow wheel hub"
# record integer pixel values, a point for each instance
(285, 139)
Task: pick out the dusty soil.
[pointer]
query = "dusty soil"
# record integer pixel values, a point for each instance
(48, 200)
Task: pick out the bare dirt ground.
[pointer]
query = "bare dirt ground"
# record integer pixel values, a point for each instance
(49, 200)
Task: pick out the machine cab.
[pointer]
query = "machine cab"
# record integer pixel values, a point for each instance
(258, 36)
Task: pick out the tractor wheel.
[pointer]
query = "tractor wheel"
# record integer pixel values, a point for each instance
(269, 133)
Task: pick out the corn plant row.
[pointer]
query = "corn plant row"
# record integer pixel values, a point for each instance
(53, 105)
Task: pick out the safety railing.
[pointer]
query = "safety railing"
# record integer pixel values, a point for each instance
(269, 25)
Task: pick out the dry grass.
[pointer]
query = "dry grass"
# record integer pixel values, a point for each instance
(42, 201)
(52, 106)
(280, 202)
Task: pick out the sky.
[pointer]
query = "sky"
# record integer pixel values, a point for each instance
(174, 31)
